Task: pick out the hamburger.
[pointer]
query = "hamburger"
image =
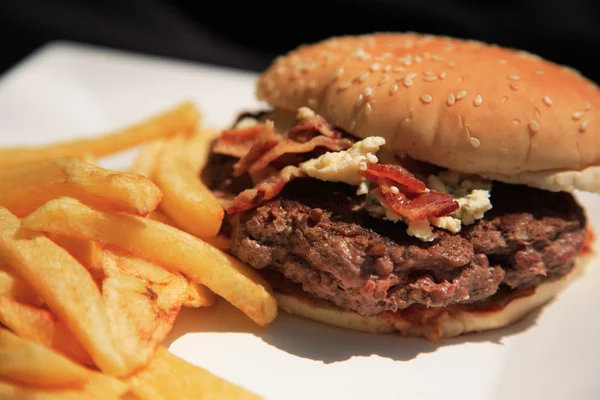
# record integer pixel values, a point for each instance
(400, 182)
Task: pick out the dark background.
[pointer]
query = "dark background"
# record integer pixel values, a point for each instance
(250, 34)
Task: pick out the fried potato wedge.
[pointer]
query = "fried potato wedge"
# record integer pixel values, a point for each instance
(25, 187)
(186, 199)
(182, 118)
(145, 161)
(198, 295)
(143, 300)
(13, 391)
(65, 286)
(25, 361)
(41, 326)
(16, 288)
(225, 275)
(169, 377)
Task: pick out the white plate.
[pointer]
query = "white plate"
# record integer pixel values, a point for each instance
(66, 90)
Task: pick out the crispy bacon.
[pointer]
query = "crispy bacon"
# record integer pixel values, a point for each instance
(383, 173)
(267, 139)
(421, 206)
(265, 190)
(237, 142)
(308, 128)
(289, 146)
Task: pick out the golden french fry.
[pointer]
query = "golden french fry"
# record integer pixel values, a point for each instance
(198, 147)
(25, 187)
(186, 199)
(65, 286)
(13, 391)
(87, 252)
(225, 275)
(221, 242)
(89, 158)
(43, 327)
(16, 288)
(105, 386)
(146, 160)
(25, 361)
(143, 300)
(182, 118)
(198, 295)
(169, 377)
(159, 216)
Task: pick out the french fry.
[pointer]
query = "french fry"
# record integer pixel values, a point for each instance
(146, 160)
(16, 288)
(41, 326)
(225, 275)
(87, 252)
(13, 391)
(198, 295)
(23, 188)
(65, 286)
(186, 199)
(169, 377)
(198, 147)
(89, 158)
(182, 118)
(160, 216)
(221, 242)
(105, 386)
(143, 300)
(28, 362)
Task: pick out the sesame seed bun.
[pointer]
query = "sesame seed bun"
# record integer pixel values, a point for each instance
(464, 105)
(433, 323)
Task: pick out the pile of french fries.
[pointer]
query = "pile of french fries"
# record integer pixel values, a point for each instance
(96, 264)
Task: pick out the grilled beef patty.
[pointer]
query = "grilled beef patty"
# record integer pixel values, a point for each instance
(319, 235)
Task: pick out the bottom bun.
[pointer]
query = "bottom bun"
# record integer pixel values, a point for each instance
(499, 311)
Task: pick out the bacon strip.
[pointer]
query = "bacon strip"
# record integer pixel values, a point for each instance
(308, 128)
(289, 146)
(421, 206)
(266, 141)
(237, 142)
(383, 173)
(265, 190)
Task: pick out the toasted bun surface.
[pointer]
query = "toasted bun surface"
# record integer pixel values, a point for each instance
(463, 105)
(433, 323)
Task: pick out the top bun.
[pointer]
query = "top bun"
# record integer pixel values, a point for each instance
(464, 105)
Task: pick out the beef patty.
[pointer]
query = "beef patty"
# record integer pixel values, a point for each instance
(319, 235)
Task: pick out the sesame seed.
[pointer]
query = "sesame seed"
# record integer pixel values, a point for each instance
(451, 64)
(547, 100)
(300, 84)
(429, 78)
(588, 106)
(393, 89)
(313, 103)
(368, 92)
(435, 57)
(428, 73)
(417, 59)
(398, 69)
(408, 81)
(475, 142)
(353, 125)
(451, 99)
(375, 67)
(443, 74)
(343, 85)
(339, 72)
(513, 77)
(407, 62)
(312, 84)
(461, 95)
(478, 100)
(426, 98)
(362, 166)
(395, 190)
(584, 126)
(534, 126)
(504, 100)
(362, 76)
(539, 72)
(426, 54)
(577, 115)
(368, 108)
(516, 121)
(514, 86)
(359, 100)
(501, 61)
(383, 80)
(388, 68)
